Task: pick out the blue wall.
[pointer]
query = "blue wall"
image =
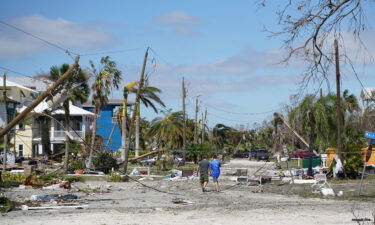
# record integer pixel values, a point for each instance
(104, 126)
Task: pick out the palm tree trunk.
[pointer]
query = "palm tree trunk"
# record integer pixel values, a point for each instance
(67, 129)
(93, 136)
(123, 129)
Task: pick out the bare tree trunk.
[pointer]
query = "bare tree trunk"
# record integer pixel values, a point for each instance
(93, 137)
(67, 139)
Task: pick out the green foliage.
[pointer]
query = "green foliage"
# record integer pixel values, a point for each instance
(352, 165)
(105, 161)
(196, 151)
(76, 164)
(73, 179)
(114, 177)
(50, 178)
(6, 205)
(10, 177)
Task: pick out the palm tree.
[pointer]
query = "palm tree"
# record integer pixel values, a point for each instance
(79, 93)
(149, 98)
(168, 130)
(106, 77)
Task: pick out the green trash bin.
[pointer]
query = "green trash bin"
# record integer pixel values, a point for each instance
(315, 162)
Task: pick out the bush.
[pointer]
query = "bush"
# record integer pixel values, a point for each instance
(352, 165)
(76, 164)
(105, 161)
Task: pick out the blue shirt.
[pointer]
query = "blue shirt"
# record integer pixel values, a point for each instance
(215, 168)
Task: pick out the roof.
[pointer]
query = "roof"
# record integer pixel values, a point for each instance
(117, 102)
(36, 84)
(74, 110)
(368, 94)
(13, 84)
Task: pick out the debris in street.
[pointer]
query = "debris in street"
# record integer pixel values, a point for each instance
(25, 207)
(49, 198)
(181, 201)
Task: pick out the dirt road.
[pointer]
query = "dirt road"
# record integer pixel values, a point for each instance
(131, 203)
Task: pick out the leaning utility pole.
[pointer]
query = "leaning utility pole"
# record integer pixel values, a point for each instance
(183, 117)
(137, 99)
(196, 120)
(5, 122)
(137, 125)
(338, 102)
(41, 97)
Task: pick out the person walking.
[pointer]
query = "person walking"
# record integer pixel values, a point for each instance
(203, 166)
(215, 165)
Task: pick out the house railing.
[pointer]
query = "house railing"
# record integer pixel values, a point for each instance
(77, 135)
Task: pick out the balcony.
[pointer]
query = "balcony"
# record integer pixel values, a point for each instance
(76, 135)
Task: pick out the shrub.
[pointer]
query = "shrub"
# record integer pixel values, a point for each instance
(76, 164)
(105, 161)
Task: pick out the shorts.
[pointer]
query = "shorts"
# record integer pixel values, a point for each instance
(215, 179)
(203, 178)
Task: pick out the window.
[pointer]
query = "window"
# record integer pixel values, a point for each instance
(21, 126)
(20, 150)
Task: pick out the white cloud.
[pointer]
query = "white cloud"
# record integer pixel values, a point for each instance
(59, 31)
(180, 21)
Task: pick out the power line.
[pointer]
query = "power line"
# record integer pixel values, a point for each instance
(13, 71)
(239, 113)
(112, 52)
(67, 51)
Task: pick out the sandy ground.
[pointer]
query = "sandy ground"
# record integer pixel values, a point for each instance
(131, 203)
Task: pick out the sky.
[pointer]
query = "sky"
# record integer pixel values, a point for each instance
(218, 46)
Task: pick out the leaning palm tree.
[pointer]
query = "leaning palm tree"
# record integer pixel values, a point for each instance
(106, 77)
(149, 98)
(79, 93)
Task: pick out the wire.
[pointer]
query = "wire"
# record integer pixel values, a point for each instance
(13, 71)
(238, 113)
(39, 38)
(112, 52)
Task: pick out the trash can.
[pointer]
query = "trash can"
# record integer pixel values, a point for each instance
(315, 162)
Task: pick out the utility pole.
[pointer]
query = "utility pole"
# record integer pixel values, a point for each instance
(137, 125)
(204, 116)
(5, 122)
(196, 120)
(137, 99)
(41, 97)
(183, 117)
(338, 102)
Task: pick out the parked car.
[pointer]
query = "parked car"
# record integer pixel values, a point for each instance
(179, 160)
(259, 154)
(263, 154)
(149, 162)
(241, 154)
(301, 153)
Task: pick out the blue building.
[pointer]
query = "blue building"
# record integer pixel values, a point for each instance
(107, 124)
